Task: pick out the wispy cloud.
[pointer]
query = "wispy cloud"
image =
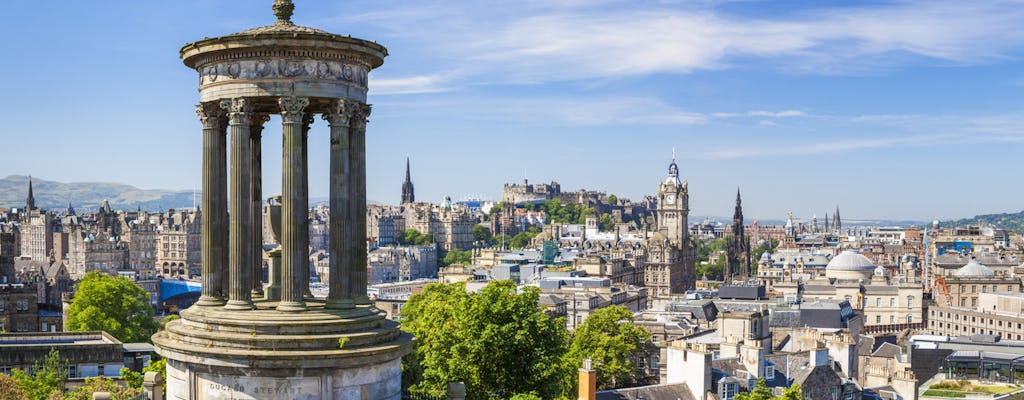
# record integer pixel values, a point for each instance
(761, 114)
(530, 41)
(409, 85)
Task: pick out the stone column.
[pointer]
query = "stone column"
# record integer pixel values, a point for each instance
(214, 200)
(307, 120)
(357, 196)
(240, 114)
(256, 187)
(294, 207)
(340, 256)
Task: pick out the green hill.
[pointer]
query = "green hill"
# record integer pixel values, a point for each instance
(1010, 221)
(88, 195)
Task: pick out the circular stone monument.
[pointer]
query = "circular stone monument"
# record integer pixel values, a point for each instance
(244, 339)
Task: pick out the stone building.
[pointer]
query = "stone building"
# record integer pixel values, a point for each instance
(95, 251)
(36, 230)
(88, 354)
(964, 286)
(526, 193)
(18, 307)
(178, 244)
(140, 231)
(999, 314)
(671, 258)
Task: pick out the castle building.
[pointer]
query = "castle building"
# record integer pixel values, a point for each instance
(670, 267)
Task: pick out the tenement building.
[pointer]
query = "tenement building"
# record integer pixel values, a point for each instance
(244, 339)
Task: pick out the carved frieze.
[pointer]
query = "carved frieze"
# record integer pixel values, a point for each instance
(327, 70)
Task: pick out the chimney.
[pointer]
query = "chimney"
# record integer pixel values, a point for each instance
(819, 357)
(588, 382)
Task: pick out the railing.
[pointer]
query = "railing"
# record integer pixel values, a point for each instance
(894, 327)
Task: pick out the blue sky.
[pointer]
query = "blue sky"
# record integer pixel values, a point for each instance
(909, 109)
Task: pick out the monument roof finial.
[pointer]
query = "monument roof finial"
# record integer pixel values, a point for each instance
(283, 9)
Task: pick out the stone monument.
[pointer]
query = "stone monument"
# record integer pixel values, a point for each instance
(240, 341)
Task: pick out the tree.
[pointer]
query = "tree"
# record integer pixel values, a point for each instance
(613, 199)
(44, 379)
(456, 256)
(412, 237)
(606, 223)
(481, 233)
(10, 389)
(115, 305)
(608, 337)
(762, 392)
(498, 342)
(101, 384)
(523, 239)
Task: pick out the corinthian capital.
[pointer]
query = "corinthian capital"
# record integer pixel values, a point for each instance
(210, 114)
(256, 124)
(292, 109)
(340, 112)
(240, 110)
(360, 115)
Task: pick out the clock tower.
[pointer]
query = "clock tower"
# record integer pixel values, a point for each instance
(674, 206)
(670, 268)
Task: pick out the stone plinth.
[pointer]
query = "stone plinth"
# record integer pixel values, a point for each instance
(265, 354)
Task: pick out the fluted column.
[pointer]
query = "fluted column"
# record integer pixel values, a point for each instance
(307, 120)
(294, 205)
(213, 203)
(357, 194)
(256, 187)
(339, 254)
(240, 114)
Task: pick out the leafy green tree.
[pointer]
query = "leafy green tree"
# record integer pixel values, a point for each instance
(481, 233)
(412, 237)
(762, 392)
(613, 199)
(456, 256)
(115, 305)
(498, 342)
(45, 378)
(101, 384)
(10, 389)
(501, 240)
(608, 337)
(526, 396)
(131, 378)
(523, 239)
(606, 223)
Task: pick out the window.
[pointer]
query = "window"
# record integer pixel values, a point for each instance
(769, 372)
(892, 302)
(878, 301)
(72, 371)
(910, 319)
(892, 319)
(878, 319)
(1, 306)
(910, 301)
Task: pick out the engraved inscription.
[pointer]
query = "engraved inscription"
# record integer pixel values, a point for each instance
(258, 388)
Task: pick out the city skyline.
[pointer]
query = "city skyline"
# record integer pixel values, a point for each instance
(902, 110)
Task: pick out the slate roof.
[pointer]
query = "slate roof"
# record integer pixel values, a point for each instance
(670, 391)
(888, 350)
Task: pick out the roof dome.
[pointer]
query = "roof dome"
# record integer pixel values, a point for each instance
(974, 268)
(850, 260)
(766, 256)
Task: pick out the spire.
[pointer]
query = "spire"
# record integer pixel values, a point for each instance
(408, 194)
(283, 9)
(738, 200)
(30, 201)
(70, 210)
(673, 171)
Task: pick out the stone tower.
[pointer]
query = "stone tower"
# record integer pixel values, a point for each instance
(408, 196)
(243, 339)
(737, 266)
(837, 223)
(670, 267)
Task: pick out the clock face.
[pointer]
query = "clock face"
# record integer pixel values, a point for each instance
(670, 199)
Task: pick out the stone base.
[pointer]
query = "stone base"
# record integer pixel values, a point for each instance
(213, 353)
(187, 381)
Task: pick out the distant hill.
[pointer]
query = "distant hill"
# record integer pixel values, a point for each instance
(88, 195)
(1010, 221)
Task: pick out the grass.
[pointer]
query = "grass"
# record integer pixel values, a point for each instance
(994, 389)
(944, 393)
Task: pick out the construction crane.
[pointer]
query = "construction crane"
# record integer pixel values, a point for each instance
(941, 282)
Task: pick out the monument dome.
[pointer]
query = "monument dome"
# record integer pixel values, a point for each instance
(850, 264)
(974, 269)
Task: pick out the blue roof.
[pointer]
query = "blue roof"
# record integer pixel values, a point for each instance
(173, 287)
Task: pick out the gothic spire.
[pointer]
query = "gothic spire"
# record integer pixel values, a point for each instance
(408, 195)
(30, 201)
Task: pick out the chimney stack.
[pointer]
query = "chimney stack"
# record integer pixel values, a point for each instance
(588, 381)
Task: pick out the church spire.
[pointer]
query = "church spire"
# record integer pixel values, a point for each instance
(408, 195)
(30, 201)
(837, 222)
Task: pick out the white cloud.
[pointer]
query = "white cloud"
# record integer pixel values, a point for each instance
(761, 114)
(408, 85)
(531, 41)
